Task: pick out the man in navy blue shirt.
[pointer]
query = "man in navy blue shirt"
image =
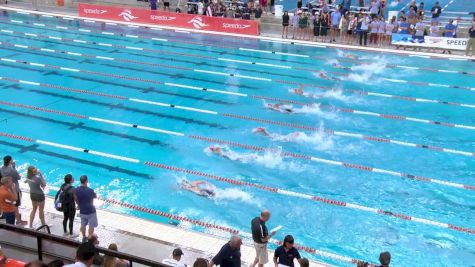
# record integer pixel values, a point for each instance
(229, 255)
(84, 197)
(285, 254)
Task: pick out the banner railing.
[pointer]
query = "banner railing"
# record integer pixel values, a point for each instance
(161, 18)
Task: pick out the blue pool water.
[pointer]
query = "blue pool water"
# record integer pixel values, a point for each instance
(181, 59)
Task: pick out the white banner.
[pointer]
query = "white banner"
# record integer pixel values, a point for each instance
(444, 42)
(430, 42)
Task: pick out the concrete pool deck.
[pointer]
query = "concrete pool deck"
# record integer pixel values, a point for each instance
(144, 238)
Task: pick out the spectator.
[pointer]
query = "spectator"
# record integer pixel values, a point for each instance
(67, 203)
(434, 29)
(153, 4)
(175, 261)
(8, 169)
(229, 255)
(285, 254)
(436, 10)
(258, 14)
(200, 7)
(285, 24)
(375, 8)
(110, 261)
(384, 259)
(413, 5)
(37, 183)
(471, 41)
(56, 263)
(84, 197)
(261, 236)
(420, 10)
(324, 26)
(364, 26)
(200, 262)
(166, 5)
(411, 16)
(317, 24)
(353, 21)
(403, 26)
(381, 30)
(344, 22)
(304, 262)
(84, 255)
(295, 23)
(362, 264)
(420, 28)
(390, 26)
(299, 4)
(450, 29)
(93, 240)
(335, 19)
(8, 198)
(374, 27)
(303, 24)
(263, 3)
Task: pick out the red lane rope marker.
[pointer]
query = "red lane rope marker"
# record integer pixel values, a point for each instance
(328, 131)
(255, 148)
(144, 49)
(333, 162)
(405, 98)
(346, 134)
(42, 109)
(243, 183)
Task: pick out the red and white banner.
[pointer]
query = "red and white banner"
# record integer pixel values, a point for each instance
(189, 21)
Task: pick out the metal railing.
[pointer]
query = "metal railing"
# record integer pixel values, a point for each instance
(43, 236)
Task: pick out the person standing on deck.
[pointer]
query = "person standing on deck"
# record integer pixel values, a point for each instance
(261, 237)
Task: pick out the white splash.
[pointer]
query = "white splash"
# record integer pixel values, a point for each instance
(234, 194)
(394, 3)
(270, 158)
(364, 73)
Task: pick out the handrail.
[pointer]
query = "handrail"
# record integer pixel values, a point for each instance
(44, 226)
(73, 243)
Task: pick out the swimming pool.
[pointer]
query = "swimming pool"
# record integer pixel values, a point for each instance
(383, 159)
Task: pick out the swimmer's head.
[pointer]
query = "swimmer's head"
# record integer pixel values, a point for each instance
(259, 129)
(214, 148)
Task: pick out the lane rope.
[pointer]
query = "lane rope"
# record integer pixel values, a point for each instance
(270, 189)
(327, 131)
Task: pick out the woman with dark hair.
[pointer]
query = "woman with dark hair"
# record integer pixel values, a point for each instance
(285, 254)
(324, 26)
(67, 203)
(37, 184)
(285, 24)
(317, 24)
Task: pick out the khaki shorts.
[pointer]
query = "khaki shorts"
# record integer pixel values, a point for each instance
(261, 253)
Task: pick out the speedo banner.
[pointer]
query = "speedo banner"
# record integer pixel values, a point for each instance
(181, 20)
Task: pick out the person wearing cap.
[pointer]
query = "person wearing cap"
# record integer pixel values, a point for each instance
(285, 254)
(384, 259)
(175, 262)
(261, 236)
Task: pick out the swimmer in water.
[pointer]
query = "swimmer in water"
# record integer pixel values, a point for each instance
(280, 108)
(350, 56)
(338, 66)
(201, 188)
(289, 137)
(322, 75)
(261, 130)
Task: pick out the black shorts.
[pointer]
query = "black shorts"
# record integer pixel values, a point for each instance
(285, 24)
(167, 4)
(350, 32)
